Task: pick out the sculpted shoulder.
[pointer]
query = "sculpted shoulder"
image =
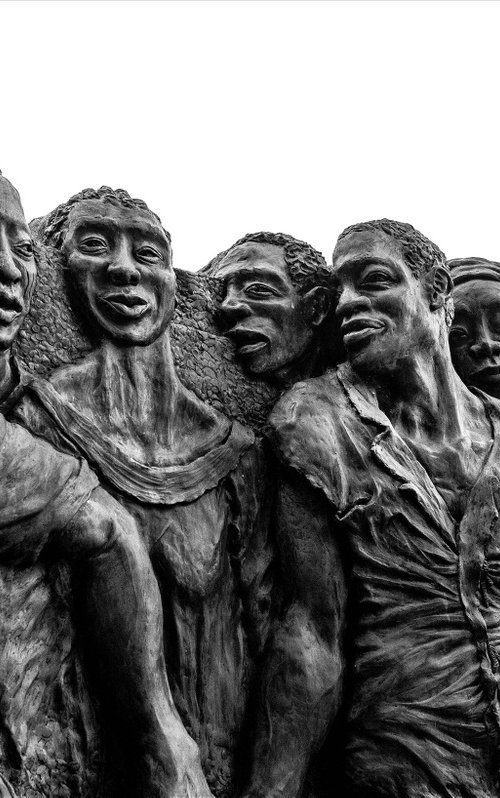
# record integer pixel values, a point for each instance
(306, 408)
(309, 431)
(74, 381)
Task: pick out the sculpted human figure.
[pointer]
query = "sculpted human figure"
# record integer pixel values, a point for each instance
(51, 507)
(390, 479)
(191, 478)
(275, 305)
(475, 331)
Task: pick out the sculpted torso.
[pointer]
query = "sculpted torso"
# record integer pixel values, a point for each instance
(189, 476)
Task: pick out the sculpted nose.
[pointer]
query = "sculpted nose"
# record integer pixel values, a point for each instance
(234, 308)
(485, 346)
(123, 270)
(349, 302)
(9, 273)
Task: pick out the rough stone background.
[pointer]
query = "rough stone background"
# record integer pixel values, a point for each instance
(50, 743)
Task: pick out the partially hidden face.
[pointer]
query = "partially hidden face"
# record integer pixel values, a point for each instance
(17, 265)
(475, 334)
(383, 309)
(119, 263)
(263, 312)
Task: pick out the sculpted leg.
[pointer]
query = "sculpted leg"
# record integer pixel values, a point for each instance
(122, 617)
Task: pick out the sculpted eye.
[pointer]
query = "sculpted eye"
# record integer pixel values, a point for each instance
(93, 245)
(459, 335)
(149, 254)
(377, 278)
(25, 249)
(260, 291)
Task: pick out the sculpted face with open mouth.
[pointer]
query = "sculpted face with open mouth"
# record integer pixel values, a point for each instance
(264, 314)
(120, 272)
(381, 306)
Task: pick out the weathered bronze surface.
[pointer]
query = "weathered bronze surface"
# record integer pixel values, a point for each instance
(228, 564)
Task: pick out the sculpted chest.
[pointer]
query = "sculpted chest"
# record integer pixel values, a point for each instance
(188, 542)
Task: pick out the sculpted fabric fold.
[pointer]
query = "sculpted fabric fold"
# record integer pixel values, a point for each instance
(424, 715)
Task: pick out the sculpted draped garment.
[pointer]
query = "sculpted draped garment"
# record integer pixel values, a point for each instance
(423, 718)
(40, 492)
(205, 524)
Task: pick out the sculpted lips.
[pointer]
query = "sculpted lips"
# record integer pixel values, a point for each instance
(247, 341)
(125, 304)
(10, 307)
(358, 328)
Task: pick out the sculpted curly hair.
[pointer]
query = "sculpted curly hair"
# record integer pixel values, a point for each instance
(55, 226)
(419, 252)
(306, 266)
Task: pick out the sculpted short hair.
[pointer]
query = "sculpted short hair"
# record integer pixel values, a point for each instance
(56, 224)
(305, 265)
(418, 251)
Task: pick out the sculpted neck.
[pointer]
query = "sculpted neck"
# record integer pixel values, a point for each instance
(135, 399)
(308, 365)
(424, 397)
(137, 388)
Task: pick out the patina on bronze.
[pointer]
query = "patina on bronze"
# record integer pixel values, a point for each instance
(52, 507)
(389, 493)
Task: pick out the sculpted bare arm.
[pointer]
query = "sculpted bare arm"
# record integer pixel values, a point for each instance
(301, 684)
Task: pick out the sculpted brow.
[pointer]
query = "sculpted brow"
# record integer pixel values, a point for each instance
(15, 228)
(110, 226)
(253, 274)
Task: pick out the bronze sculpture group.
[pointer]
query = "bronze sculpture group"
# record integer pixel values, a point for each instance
(303, 607)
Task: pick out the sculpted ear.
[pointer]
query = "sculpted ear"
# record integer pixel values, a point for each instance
(439, 283)
(316, 304)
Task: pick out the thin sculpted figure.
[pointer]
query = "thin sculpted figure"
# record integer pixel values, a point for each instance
(191, 478)
(51, 506)
(475, 331)
(275, 306)
(390, 477)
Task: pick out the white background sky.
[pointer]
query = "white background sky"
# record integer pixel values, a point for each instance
(235, 116)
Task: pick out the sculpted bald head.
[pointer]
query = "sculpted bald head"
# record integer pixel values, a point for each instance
(17, 264)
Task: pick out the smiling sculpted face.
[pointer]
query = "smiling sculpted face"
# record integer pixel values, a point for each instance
(119, 262)
(383, 308)
(475, 334)
(266, 316)
(17, 265)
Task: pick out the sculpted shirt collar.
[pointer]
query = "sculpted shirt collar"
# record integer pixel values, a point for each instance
(146, 483)
(391, 451)
(310, 426)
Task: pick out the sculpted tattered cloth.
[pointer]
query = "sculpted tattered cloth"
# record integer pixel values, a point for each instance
(205, 594)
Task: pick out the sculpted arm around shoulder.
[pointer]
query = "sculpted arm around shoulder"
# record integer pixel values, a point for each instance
(302, 679)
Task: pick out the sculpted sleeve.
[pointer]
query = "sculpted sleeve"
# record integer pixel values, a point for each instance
(309, 433)
(301, 679)
(40, 492)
